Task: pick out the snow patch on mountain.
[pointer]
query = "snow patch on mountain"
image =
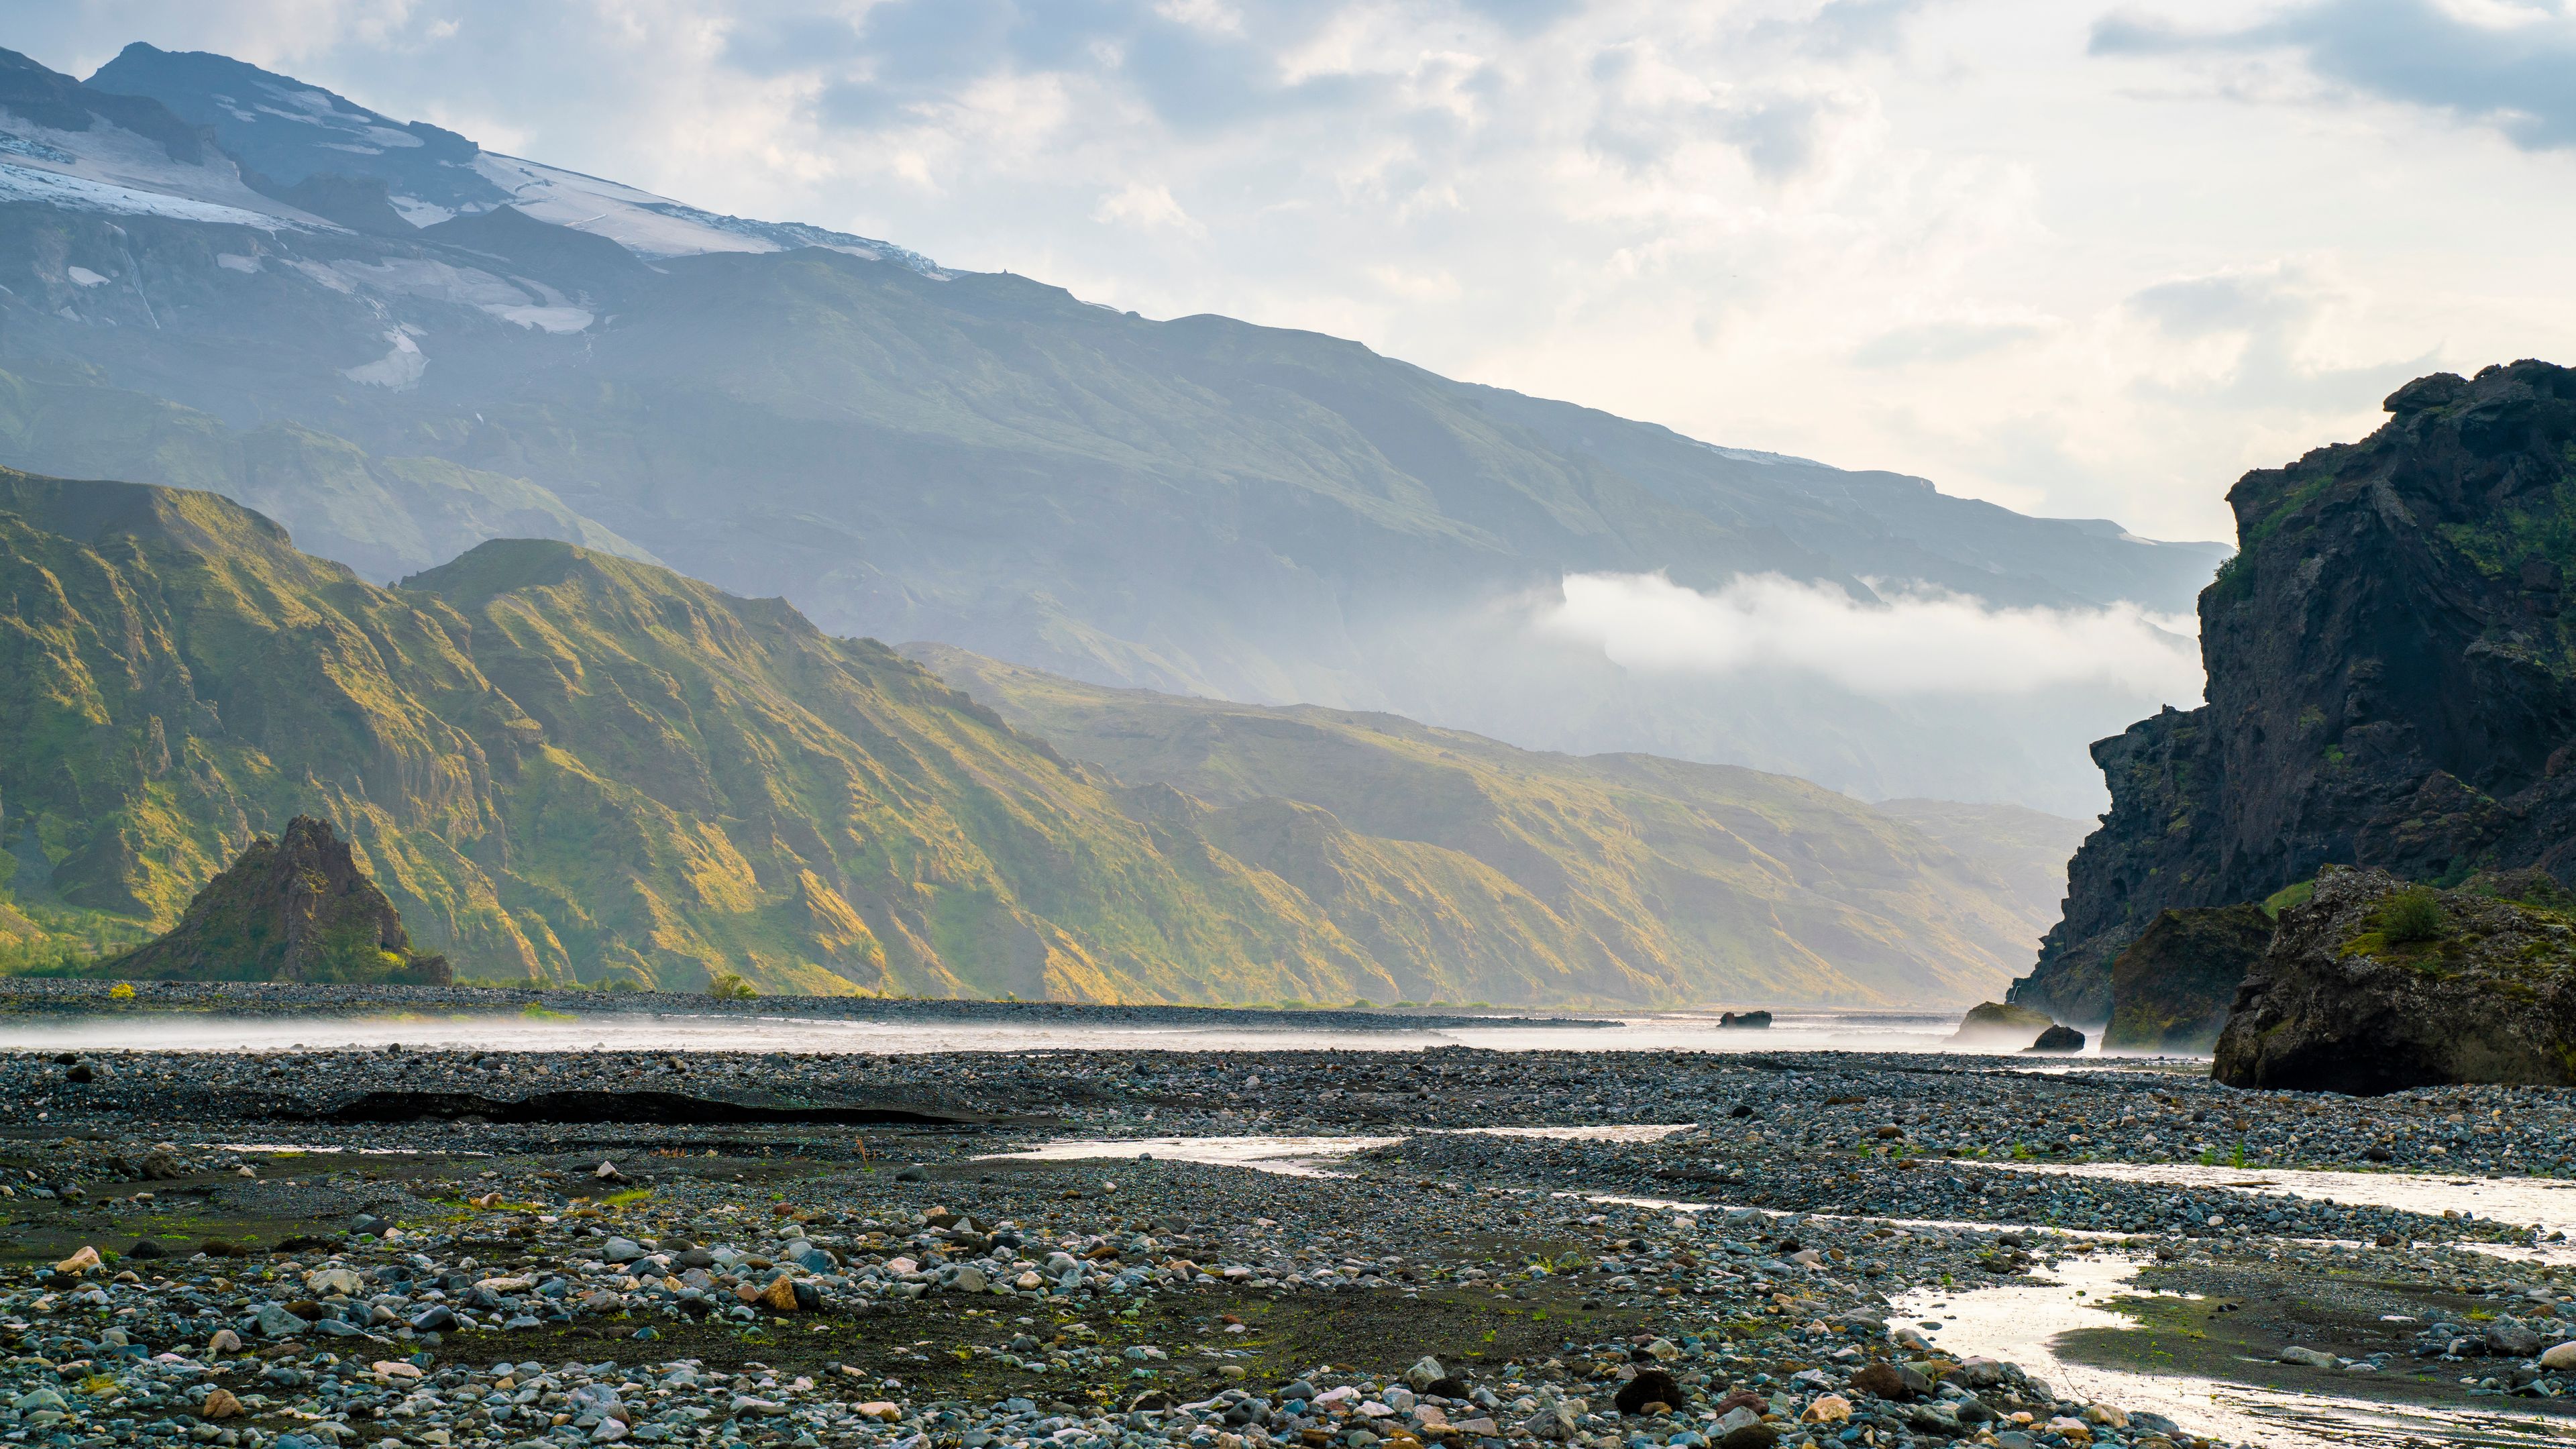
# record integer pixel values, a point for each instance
(398, 370)
(655, 226)
(108, 168)
(545, 319)
(82, 193)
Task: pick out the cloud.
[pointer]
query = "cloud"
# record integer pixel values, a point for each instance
(2505, 65)
(2253, 335)
(1947, 341)
(1915, 643)
(1142, 206)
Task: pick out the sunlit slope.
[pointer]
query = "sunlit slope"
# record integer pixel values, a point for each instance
(1730, 884)
(564, 764)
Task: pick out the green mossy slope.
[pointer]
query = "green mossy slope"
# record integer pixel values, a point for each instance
(565, 765)
(1639, 877)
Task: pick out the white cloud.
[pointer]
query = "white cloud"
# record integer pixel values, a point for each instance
(1138, 205)
(1920, 643)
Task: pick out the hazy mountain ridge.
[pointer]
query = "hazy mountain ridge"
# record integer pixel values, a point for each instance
(1200, 505)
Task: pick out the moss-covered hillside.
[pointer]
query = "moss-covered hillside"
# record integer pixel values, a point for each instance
(567, 765)
(1635, 876)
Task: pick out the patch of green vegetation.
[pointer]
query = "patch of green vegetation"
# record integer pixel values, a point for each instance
(2542, 524)
(2410, 916)
(2289, 896)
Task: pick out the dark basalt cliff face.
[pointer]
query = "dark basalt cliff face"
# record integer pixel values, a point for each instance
(297, 908)
(2391, 680)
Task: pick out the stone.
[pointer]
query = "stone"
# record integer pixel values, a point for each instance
(2310, 1357)
(620, 1250)
(1650, 1386)
(1756, 1435)
(1881, 1379)
(275, 1322)
(1551, 1422)
(914, 1173)
(2058, 1039)
(80, 1262)
(969, 1280)
(146, 1249)
(436, 1318)
(2559, 1357)
(1425, 1372)
(2512, 1339)
(324, 1282)
(1978, 1372)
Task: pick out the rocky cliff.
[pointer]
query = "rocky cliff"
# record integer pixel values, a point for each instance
(2392, 681)
(296, 908)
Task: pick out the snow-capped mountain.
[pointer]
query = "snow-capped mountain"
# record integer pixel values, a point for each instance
(132, 140)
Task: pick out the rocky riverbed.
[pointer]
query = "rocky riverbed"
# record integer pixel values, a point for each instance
(297, 1249)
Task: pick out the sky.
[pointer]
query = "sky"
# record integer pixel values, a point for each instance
(2082, 259)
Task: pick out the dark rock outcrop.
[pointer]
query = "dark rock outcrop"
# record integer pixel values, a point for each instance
(2482, 989)
(296, 908)
(2392, 681)
(1746, 1020)
(2171, 989)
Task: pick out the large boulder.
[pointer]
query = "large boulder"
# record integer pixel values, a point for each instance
(2170, 990)
(2001, 1024)
(296, 908)
(2376, 986)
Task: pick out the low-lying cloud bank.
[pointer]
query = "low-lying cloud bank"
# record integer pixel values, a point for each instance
(1915, 643)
